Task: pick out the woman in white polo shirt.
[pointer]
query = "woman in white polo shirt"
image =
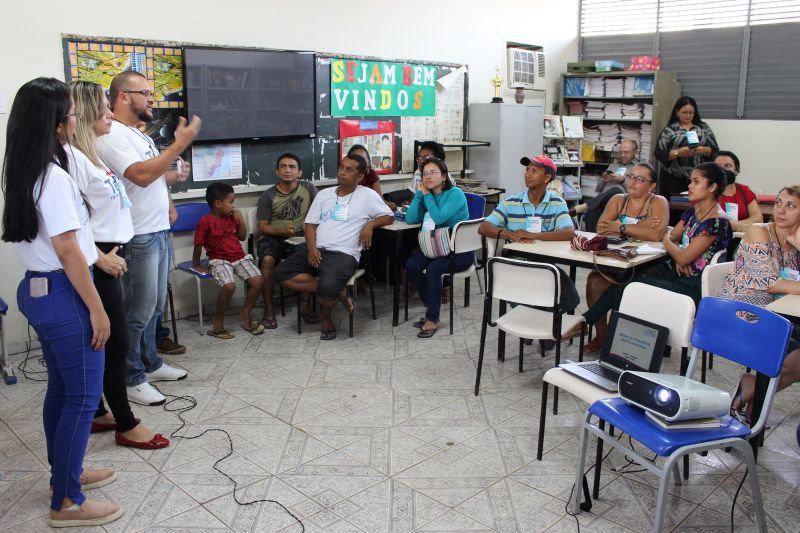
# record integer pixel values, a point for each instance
(110, 216)
(46, 219)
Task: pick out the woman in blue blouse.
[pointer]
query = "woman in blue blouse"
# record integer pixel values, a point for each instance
(436, 204)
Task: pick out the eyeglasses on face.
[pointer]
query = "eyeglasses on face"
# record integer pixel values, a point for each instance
(686, 113)
(640, 179)
(144, 92)
(432, 173)
(76, 115)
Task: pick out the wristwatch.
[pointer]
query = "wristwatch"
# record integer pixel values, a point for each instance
(622, 229)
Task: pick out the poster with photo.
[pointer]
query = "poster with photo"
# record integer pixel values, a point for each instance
(378, 138)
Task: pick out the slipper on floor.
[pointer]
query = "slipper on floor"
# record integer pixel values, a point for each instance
(419, 323)
(427, 333)
(223, 334)
(269, 323)
(310, 317)
(328, 334)
(254, 329)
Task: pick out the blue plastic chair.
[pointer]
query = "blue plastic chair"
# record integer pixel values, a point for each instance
(758, 342)
(8, 372)
(476, 205)
(188, 216)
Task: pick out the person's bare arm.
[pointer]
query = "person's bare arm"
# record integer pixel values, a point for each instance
(173, 213)
(487, 229)
(686, 256)
(146, 172)
(74, 262)
(366, 233)
(241, 232)
(653, 228)
(756, 217)
(198, 250)
(314, 256)
(265, 228)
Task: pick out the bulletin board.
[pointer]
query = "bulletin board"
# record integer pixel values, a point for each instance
(100, 58)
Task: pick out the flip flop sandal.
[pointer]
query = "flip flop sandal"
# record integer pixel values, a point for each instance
(269, 323)
(223, 334)
(310, 318)
(427, 333)
(254, 329)
(328, 334)
(419, 323)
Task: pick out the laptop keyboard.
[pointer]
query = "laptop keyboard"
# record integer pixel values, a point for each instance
(600, 370)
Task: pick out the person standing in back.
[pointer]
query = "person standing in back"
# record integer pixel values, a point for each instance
(146, 173)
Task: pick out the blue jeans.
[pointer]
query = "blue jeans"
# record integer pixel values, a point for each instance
(429, 284)
(144, 288)
(74, 378)
(161, 332)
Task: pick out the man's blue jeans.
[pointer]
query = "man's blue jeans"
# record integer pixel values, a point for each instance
(74, 378)
(144, 287)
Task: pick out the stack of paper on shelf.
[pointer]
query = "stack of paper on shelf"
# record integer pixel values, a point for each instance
(630, 132)
(614, 87)
(646, 142)
(596, 87)
(647, 112)
(609, 136)
(629, 83)
(591, 135)
(613, 110)
(573, 126)
(594, 109)
(632, 111)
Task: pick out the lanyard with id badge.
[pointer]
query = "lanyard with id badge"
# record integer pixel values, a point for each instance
(341, 213)
(626, 220)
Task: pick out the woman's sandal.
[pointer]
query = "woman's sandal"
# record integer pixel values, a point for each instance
(269, 323)
(740, 411)
(328, 334)
(254, 329)
(419, 323)
(427, 333)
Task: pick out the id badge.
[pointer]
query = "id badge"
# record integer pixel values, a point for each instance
(341, 212)
(732, 210)
(789, 273)
(692, 138)
(533, 225)
(629, 220)
(39, 287)
(428, 223)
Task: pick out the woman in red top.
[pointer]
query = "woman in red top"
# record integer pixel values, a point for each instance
(371, 179)
(747, 210)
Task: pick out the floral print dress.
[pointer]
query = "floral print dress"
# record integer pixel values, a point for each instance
(716, 227)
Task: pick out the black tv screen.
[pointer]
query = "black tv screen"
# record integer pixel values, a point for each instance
(242, 94)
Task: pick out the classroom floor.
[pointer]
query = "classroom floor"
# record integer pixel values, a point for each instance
(379, 433)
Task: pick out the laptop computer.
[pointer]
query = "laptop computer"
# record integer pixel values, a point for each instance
(631, 344)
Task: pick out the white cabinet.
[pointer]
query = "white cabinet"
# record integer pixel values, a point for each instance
(515, 131)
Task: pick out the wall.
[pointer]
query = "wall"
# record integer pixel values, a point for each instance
(765, 149)
(447, 30)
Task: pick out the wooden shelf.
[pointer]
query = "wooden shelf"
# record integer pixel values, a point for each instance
(633, 98)
(616, 120)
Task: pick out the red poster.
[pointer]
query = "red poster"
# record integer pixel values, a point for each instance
(376, 135)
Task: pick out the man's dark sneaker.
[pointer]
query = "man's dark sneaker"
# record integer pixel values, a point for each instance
(167, 346)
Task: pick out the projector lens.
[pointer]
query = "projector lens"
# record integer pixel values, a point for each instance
(662, 395)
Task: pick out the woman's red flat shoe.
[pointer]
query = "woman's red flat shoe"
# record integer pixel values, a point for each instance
(99, 427)
(157, 442)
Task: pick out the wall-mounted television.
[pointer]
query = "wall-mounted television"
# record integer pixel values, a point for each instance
(250, 94)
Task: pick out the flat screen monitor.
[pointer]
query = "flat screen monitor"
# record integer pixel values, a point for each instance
(250, 94)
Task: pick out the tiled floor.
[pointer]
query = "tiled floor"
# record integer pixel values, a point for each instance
(379, 433)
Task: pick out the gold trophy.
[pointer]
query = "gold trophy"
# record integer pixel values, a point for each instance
(497, 82)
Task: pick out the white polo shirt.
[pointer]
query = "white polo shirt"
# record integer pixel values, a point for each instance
(110, 207)
(120, 149)
(59, 209)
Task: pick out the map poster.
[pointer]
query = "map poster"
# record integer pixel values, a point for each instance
(382, 89)
(376, 135)
(215, 162)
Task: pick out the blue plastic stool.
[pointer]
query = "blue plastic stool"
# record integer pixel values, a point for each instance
(8, 372)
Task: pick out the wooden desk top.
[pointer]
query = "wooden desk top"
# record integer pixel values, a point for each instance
(561, 251)
(400, 225)
(788, 306)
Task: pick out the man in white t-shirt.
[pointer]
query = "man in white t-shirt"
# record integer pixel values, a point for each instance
(132, 154)
(338, 225)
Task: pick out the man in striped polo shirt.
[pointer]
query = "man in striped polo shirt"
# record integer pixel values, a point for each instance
(535, 214)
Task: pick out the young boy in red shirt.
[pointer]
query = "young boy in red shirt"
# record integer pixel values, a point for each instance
(220, 232)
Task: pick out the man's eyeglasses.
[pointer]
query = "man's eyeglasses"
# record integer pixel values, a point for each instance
(144, 92)
(639, 179)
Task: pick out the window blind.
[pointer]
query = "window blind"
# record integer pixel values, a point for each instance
(611, 17)
(680, 15)
(773, 73)
(774, 11)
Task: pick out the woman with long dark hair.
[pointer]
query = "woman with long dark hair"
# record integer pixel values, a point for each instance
(686, 142)
(48, 222)
(112, 228)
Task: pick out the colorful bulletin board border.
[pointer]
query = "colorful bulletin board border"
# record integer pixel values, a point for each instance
(101, 61)
(382, 89)
(376, 135)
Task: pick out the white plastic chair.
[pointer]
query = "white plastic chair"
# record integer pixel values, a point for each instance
(527, 284)
(674, 311)
(463, 238)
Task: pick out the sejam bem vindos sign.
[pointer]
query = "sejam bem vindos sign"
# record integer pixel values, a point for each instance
(379, 89)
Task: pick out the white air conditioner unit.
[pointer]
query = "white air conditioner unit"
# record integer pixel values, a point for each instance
(526, 69)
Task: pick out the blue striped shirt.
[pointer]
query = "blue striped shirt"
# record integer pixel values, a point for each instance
(513, 212)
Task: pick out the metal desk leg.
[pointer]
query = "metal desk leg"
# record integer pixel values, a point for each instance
(396, 269)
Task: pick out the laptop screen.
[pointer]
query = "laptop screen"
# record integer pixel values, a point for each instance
(634, 343)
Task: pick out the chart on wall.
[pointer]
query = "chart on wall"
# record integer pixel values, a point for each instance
(99, 62)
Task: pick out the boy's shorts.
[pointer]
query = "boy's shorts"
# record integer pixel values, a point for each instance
(223, 271)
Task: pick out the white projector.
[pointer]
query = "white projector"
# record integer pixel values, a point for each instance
(672, 397)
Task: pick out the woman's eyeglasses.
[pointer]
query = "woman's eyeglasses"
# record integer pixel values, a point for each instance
(640, 179)
(432, 173)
